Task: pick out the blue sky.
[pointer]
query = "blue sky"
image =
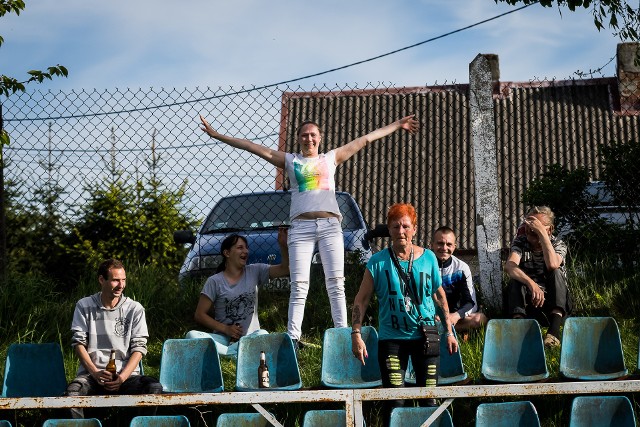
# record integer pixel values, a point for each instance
(155, 43)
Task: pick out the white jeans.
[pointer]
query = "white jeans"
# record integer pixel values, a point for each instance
(303, 235)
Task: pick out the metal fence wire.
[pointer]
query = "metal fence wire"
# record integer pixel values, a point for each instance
(77, 138)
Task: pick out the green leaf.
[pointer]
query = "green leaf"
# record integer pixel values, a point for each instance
(4, 138)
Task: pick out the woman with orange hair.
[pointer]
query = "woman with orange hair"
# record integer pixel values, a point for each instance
(406, 280)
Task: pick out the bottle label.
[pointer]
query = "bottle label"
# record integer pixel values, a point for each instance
(264, 379)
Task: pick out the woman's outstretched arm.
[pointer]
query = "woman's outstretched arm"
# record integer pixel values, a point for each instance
(274, 157)
(344, 153)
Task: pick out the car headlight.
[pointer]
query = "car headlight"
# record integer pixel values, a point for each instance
(206, 262)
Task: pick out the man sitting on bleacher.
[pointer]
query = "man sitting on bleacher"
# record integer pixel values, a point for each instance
(536, 267)
(102, 322)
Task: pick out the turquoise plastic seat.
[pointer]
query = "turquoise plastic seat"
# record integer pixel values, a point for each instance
(284, 373)
(34, 370)
(5, 423)
(602, 411)
(416, 416)
(451, 369)
(190, 366)
(591, 349)
(508, 414)
(340, 369)
(332, 418)
(160, 421)
(242, 420)
(70, 422)
(513, 351)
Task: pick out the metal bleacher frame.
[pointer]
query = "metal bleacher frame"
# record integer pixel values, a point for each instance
(352, 398)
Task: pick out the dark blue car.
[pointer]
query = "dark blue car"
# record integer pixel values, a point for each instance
(257, 216)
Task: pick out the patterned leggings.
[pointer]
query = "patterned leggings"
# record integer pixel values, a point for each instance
(393, 357)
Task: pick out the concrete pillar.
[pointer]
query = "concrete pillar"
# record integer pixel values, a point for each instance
(628, 77)
(484, 75)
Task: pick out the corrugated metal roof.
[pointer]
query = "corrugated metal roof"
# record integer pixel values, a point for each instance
(537, 124)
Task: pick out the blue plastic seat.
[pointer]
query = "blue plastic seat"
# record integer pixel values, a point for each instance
(513, 351)
(5, 423)
(332, 418)
(602, 411)
(190, 366)
(591, 349)
(451, 369)
(508, 414)
(70, 422)
(416, 416)
(284, 373)
(241, 419)
(160, 421)
(34, 370)
(340, 369)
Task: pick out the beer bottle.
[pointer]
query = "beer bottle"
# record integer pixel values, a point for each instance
(263, 372)
(111, 366)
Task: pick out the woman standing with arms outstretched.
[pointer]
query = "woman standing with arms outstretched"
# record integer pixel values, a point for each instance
(315, 216)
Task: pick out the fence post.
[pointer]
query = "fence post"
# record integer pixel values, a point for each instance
(483, 137)
(3, 226)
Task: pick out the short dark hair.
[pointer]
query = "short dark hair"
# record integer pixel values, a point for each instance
(444, 230)
(106, 265)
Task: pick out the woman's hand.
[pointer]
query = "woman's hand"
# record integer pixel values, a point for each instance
(234, 331)
(452, 344)
(206, 127)
(410, 124)
(358, 348)
(537, 295)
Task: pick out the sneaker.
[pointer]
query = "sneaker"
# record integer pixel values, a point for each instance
(551, 341)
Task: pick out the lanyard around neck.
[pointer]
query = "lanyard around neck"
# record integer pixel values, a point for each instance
(405, 277)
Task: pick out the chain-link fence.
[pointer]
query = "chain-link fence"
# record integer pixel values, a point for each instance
(73, 140)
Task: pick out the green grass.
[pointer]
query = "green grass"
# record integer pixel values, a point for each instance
(33, 309)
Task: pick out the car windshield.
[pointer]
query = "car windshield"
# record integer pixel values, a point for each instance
(247, 212)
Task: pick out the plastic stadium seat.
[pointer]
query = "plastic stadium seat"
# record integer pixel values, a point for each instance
(334, 418)
(160, 421)
(5, 423)
(70, 422)
(34, 370)
(241, 419)
(451, 369)
(284, 373)
(340, 369)
(416, 416)
(513, 351)
(190, 366)
(508, 414)
(591, 349)
(601, 411)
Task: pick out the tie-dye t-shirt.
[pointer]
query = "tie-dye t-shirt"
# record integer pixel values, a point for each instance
(312, 183)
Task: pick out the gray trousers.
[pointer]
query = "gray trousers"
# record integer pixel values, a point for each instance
(86, 385)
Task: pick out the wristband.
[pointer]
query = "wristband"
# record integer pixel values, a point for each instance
(355, 332)
(449, 334)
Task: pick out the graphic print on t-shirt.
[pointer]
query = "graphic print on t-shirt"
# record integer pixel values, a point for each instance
(121, 326)
(312, 175)
(240, 307)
